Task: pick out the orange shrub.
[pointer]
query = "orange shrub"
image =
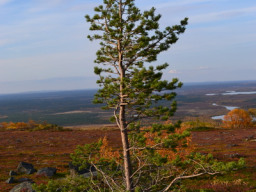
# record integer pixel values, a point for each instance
(107, 152)
(184, 146)
(237, 118)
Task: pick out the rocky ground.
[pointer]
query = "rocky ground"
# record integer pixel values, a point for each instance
(52, 149)
(43, 149)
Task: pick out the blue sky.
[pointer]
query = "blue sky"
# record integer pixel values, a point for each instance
(45, 41)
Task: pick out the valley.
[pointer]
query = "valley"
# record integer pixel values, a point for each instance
(69, 108)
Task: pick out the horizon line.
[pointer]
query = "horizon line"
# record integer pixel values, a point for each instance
(87, 89)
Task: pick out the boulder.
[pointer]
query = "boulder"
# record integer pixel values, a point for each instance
(23, 187)
(10, 180)
(21, 180)
(26, 168)
(86, 172)
(12, 173)
(249, 138)
(47, 171)
(236, 155)
(231, 145)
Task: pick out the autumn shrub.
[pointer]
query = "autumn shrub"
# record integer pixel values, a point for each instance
(49, 127)
(198, 125)
(237, 118)
(30, 126)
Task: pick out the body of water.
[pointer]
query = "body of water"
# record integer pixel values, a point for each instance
(233, 93)
(221, 117)
(239, 93)
(230, 108)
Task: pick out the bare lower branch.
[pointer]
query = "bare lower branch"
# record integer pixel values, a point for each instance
(148, 147)
(188, 177)
(106, 177)
(117, 120)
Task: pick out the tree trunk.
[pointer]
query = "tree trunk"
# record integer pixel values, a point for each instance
(123, 126)
(126, 153)
(122, 115)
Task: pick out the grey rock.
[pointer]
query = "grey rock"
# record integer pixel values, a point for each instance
(250, 137)
(47, 171)
(234, 155)
(26, 168)
(12, 173)
(89, 174)
(23, 187)
(86, 172)
(231, 145)
(31, 171)
(10, 180)
(25, 179)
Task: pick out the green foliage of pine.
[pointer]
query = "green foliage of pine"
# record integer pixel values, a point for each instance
(141, 42)
(74, 184)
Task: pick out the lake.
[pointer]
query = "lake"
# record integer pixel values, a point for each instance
(233, 93)
(221, 117)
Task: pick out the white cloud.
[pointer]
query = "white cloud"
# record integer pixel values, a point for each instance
(3, 2)
(173, 71)
(181, 3)
(222, 15)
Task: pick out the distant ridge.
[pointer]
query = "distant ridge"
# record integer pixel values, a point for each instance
(80, 84)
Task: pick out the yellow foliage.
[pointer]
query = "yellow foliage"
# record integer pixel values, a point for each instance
(107, 152)
(237, 118)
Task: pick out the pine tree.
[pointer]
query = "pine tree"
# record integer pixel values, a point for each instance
(130, 40)
(154, 151)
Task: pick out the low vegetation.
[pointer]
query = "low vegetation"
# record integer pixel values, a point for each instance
(171, 166)
(53, 149)
(30, 126)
